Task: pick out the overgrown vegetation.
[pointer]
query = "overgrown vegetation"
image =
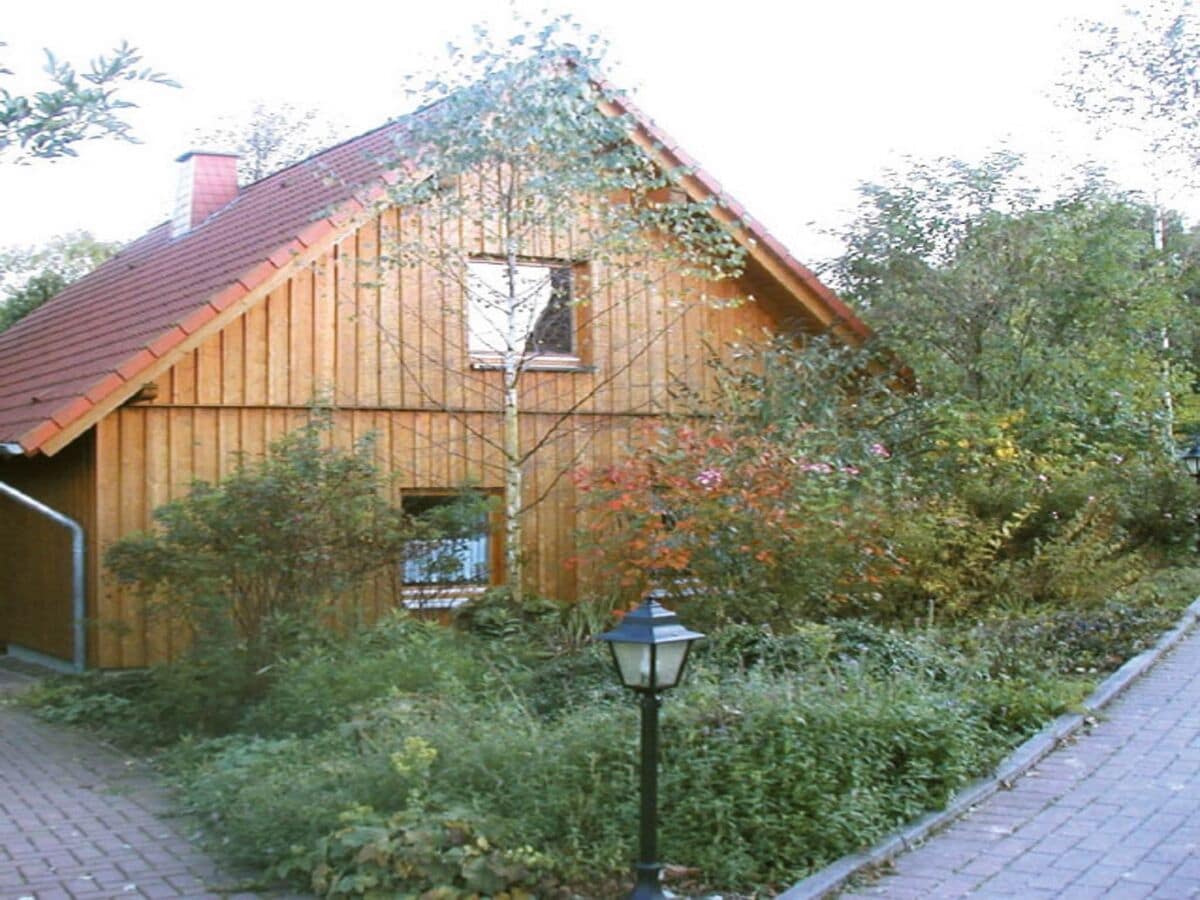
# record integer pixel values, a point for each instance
(413, 757)
(498, 757)
(819, 491)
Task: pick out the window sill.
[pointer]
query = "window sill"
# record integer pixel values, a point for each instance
(440, 596)
(543, 363)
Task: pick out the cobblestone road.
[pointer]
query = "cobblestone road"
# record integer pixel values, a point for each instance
(81, 822)
(1115, 813)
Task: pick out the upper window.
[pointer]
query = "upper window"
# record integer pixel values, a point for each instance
(534, 311)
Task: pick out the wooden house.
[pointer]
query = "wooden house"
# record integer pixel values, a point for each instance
(213, 334)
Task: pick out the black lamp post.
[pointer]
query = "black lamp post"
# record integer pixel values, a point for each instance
(1191, 458)
(1191, 461)
(650, 649)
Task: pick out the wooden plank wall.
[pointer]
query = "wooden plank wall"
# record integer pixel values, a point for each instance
(386, 349)
(35, 580)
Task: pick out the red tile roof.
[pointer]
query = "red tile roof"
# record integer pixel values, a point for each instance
(102, 331)
(90, 343)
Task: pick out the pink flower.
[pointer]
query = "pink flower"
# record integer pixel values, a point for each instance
(710, 478)
(820, 468)
(877, 449)
(850, 470)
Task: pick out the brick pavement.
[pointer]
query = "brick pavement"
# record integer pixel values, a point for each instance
(79, 821)
(1115, 813)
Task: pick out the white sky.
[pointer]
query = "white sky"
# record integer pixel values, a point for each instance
(789, 105)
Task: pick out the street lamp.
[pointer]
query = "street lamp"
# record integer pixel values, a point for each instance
(1191, 461)
(649, 649)
(1191, 458)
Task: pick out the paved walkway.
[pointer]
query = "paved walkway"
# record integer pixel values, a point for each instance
(81, 822)
(1115, 813)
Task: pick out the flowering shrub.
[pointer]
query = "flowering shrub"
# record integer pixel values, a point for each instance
(765, 533)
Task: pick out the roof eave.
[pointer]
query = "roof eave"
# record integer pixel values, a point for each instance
(798, 279)
(79, 414)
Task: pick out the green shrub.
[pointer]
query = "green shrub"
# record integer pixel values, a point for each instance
(253, 567)
(1068, 641)
(740, 648)
(266, 796)
(414, 852)
(766, 779)
(145, 708)
(1014, 708)
(253, 564)
(323, 685)
(417, 758)
(78, 701)
(570, 680)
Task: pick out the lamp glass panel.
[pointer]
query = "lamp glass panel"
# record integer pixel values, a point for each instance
(633, 662)
(670, 663)
(1192, 463)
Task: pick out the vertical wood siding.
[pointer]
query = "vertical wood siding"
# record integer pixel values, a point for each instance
(35, 578)
(386, 349)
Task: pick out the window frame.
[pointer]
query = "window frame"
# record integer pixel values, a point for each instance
(451, 594)
(574, 360)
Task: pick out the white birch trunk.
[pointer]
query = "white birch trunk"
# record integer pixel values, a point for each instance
(1168, 399)
(513, 348)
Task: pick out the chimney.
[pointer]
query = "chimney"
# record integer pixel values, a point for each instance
(207, 181)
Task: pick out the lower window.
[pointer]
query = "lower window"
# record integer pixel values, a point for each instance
(449, 570)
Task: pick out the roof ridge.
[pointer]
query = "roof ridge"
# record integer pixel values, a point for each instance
(394, 122)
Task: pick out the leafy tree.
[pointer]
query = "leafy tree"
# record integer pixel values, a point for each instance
(78, 106)
(1053, 308)
(520, 139)
(29, 276)
(1140, 73)
(270, 138)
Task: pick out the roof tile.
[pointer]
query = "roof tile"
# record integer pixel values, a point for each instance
(315, 232)
(198, 319)
(135, 364)
(229, 296)
(285, 254)
(38, 435)
(256, 276)
(72, 411)
(104, 387)
(167, 341)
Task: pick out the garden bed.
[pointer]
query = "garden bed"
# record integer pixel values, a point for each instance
(417, 758)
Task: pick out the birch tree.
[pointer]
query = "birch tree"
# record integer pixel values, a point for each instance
(522, 139)
(1140, 74)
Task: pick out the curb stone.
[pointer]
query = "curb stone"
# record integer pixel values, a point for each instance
(835, 876)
